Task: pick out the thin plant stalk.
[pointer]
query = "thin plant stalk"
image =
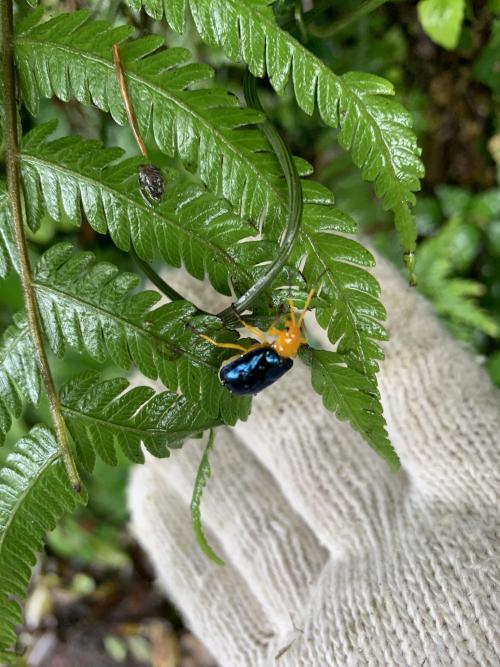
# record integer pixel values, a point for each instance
(147, 269)
(14, 186)
(157, 280)
(122, 83)
(328, 31)
(230, 316)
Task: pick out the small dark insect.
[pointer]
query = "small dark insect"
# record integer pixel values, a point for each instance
(254, 371)
(151, 182)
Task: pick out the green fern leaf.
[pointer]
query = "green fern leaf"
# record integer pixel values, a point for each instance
(8, 256)
(71, 58)
(89, 306)
(104, 414)
(34, 494)
(19, 377)
(373, 127)
(191, 227)
(353, 397)
(198, 228)
(349, 310)
(361, 327)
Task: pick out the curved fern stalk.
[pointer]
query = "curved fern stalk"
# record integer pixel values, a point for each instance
(352, 397)
(71, 58)
(191, 227)
(34, 494)
(105, 414)
(90, 306)
(202, 476)
(373, 127)
(295, 203)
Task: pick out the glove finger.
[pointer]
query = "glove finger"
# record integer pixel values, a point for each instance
(267, 543)
(330, 476)
(428, 596)
(216, 602)
(442, 411)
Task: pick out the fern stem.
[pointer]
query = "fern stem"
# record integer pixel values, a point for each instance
(157, 280)
(132, 120)
(33, 316)
(365, 8)
(295, 205)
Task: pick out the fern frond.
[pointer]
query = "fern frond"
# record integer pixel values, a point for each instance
(352, 397)
(8, 256)
(90, 306)
(353, 291)
(373, 127)
(71, 58)
(198, 228)
(34, 495)
(191, 227)
(104, 414)
(19, 376)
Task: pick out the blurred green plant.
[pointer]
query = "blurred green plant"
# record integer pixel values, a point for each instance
(442, 20)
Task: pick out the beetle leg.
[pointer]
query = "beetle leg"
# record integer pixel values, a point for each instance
(229, 346)
(256, 332)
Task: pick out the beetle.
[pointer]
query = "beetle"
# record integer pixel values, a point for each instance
(267, 361)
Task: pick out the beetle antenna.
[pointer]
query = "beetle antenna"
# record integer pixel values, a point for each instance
(292, 311)
(306, 306)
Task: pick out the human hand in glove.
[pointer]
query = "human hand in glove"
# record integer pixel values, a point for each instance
(331, 559)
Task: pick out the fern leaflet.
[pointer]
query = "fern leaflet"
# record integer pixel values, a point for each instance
(89, 306)
(373, 127)
(350, 310)
(353, 397)
(71, 58)
(8, 257)
(103, 414)
(19, 376)
(191, 227)
(34, 494)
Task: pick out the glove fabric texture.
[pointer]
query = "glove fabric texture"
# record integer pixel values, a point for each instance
(331, 559)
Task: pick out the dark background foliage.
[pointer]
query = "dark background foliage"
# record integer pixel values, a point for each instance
(92, 594)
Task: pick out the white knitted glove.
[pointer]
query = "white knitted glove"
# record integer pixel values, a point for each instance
(331, 560)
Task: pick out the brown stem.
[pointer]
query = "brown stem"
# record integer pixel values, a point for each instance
(14, 185)
(132, 120)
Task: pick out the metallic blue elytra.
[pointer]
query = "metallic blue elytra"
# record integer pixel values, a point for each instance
(254, 371)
